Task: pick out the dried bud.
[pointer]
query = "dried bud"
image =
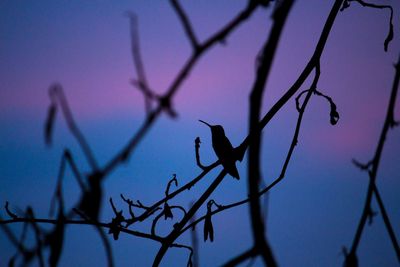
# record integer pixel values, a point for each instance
(334, 114)
(167, 211)
(116, 224)
(208, 227)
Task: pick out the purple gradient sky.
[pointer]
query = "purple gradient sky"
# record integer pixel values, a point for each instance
(85, 46)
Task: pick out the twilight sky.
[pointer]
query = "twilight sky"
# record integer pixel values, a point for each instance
(85, 45)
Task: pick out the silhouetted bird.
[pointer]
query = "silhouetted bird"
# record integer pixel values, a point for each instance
(223, 148)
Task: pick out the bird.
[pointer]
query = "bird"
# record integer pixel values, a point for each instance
(223, 149)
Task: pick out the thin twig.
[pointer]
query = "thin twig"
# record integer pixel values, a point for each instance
(86, 221)
(9, 213)
(175, 233)
(197, 150)
(195, 242)
(38, 233)
(141, 82)
(386, 220)
(374, 169)
(155, 221)
(107, 246)
(186, 24)
(56, 92)
(11, 237)
(190, 261)
(389, 36)
(247, 254)
(173, 180)
(187, 186)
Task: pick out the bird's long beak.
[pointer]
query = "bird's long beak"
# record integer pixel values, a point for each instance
(205, 123)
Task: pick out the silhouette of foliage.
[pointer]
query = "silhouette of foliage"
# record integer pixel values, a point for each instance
(50, 242)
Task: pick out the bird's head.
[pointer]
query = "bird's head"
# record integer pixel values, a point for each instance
(216, 130)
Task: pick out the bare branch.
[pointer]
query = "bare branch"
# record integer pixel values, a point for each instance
(362, 166)
(163, 213)
(113, 206)
(195, 242)
(85, 221)
(130, 205)
(247, 254)
(389, 36)
(374, 165)
(186, 24)
(66, 158)
(169, 184)
(141, 82)
(9, 213)
(298, 99)
(107, 246)
(256, 95)
(56, 93)
(12, 238)
(197, 149)
(82, 215)
(386, 219)
(49, 124)
(175, 233)
(38, 234)
(190, 262)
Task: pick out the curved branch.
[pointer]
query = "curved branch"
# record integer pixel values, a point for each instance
(186, 24)
(374, 170)
(248, 254)
(254, 169)
(178, 191)
(154, 223)
(56, 93)
(177, 230)
(389, 36)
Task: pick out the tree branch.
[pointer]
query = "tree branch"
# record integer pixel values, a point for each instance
(56, 93)
(248, 254)
(375, 165)
(186, 24)
(254, 170)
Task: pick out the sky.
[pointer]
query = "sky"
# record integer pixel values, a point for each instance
(85, 46)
